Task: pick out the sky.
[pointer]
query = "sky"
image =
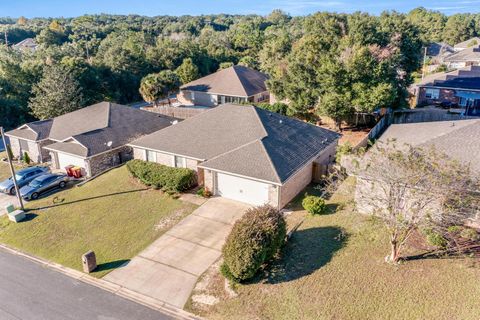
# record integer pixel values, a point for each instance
(73, 8)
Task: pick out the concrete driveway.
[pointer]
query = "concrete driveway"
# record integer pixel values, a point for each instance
(169, 268)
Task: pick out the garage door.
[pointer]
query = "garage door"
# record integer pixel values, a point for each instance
(241, 189)
(66, 160)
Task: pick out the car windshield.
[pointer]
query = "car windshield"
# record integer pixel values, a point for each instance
(36, 183)
(18, 176)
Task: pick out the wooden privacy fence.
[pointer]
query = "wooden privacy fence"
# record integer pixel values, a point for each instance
(376, 131)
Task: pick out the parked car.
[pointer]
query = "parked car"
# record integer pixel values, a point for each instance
(43, 184)
(24, 177)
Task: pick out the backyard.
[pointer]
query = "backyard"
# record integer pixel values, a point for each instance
(333, 268)
(114, 215)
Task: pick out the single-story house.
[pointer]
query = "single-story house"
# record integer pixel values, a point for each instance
(237, 84)
(454, 138)
(461, 59)
(93, 138)
(460, 87)
(243, 152)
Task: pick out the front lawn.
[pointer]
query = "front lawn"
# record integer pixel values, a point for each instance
(333, 268)
(114, 215)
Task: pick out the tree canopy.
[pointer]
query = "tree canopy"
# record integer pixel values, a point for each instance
(109, 54)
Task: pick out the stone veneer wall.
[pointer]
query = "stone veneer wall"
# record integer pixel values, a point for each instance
(104, 161)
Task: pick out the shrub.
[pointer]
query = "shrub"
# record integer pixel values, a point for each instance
(168, 179)
(435, 238)
(470, 234)
(254, 240)
(26, 158)
(454, 229)
(314, 205)
(204, 192)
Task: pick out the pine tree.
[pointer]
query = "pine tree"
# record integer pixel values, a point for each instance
(187, 71)
(57, 93)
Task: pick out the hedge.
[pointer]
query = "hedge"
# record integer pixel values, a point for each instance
(162, 177)
(254, 240)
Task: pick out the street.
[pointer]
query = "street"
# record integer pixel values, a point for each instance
(31, 291)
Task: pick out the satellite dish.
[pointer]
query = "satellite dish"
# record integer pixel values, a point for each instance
(109, 144)
(174, 122)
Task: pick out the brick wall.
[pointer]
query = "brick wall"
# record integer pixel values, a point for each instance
(138, 154)
(208, 177)
(192, 164)
(303, 178)
(165, 159)
(295, 184)
(445, 95)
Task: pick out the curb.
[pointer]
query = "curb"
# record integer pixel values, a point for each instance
(107, 286)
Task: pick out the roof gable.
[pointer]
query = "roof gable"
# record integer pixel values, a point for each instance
(87, 119)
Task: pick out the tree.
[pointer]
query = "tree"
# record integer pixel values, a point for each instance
(22, 21)
(57, 93)
(156, 86)
(412, 189)
(459, 27)
(187, 71)
(225, 65)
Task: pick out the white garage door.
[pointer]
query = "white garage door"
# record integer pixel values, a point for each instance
(66, 160)
(241, 189)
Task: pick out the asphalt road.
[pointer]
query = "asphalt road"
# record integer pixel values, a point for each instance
(31, 291)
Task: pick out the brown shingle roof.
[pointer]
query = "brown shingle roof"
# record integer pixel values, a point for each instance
(35, 131)
(244, 140)
(235, 81)
(458, 139)
(96, 125)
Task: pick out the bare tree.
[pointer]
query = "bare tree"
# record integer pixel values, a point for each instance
(414, 188)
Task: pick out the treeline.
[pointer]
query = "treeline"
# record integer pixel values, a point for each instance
(332, 64)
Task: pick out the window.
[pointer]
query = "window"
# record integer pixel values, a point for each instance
(432, 93)
(180, 162)
(23, 145)
(150, 156)
(230, 99)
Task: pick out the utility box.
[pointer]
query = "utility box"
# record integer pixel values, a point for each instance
(89, 262)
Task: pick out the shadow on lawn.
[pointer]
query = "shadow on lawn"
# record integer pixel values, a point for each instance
(60, 201)
(112, 265)
(307, 251)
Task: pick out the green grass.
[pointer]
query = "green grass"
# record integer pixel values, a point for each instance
(114, 215)
(333, 268)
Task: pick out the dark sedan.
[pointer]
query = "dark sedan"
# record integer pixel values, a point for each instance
(42, 184)
(24, 177)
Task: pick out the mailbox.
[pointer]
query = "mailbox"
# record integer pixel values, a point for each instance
(89, 262)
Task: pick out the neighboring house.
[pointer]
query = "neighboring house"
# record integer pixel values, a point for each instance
(243, 152)
(460, 87)
(27, 44)
(457, 139)
(472, 42)
(93, 138)
(437, 51)
(461, 59)
(237, 84)
(31, 138)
